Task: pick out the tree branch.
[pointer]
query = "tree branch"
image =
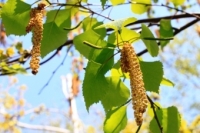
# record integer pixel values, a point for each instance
(156, 20)
(175, 33)
(47, 83)
(45, 128)
(155, 115)
(149, 20)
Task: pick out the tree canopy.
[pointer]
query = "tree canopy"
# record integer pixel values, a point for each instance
(115, 74)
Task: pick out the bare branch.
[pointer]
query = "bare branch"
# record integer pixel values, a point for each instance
(47, 83)
(40, 127)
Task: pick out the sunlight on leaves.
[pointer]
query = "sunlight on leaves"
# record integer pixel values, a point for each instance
(15, 16)
(117, 2)
(177, 2)
(62, 18)
(10, 51)
(53, 37)
(126, 35)
(167, 82)
(141, 7)
(171, 120)
(116, 71)
(117, 24)
(90, 23)
(116, 94)
(116, 120)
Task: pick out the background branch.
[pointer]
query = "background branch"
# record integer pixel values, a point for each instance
(40, 127)
(47, 83)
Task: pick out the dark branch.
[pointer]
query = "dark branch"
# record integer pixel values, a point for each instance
(175, 33)
(156, 20)
(155, 115)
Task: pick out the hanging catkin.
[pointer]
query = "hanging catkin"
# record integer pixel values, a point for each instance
(36, 26)
(130, 64)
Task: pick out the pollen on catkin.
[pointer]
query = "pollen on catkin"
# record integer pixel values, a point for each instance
(36, 26)
(130, 64)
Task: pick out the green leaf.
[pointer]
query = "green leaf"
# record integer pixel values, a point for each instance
(95, 84)
(62, 18)
(18, 68)
(104, 56)
(169, 119)
(116, 120)
(177, 2)
(90, 23)
(53, 37)
(152, 75)
(125, 34)
(116, 94)
(103, 2)
(15, 16)
(141, 7)
(13, 69)
(128, 21)
(97, 55)
(117, 2)
(117, 24)
(19, 46)
(167, 82)
(151, 45)
(83, 48)
(153, 124)
(165, 31)
(116, 71)
(84, 1)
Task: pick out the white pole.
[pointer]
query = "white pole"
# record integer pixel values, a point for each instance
(67, 90)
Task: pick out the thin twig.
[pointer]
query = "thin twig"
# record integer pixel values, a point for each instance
(93, 12)
(155, 115)
(151, 20)
(181, 11)
(47, 83)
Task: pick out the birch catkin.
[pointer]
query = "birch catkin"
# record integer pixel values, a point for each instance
(130, 64)
(36, 26)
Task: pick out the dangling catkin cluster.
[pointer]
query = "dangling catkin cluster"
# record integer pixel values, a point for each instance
(130, 64)
(36, 25)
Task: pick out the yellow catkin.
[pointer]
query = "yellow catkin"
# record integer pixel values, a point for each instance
(36, 26)
(130, 64)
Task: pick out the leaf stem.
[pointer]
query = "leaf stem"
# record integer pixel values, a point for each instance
(96, 47)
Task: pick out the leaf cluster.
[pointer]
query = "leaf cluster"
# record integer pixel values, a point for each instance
(100, 43)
